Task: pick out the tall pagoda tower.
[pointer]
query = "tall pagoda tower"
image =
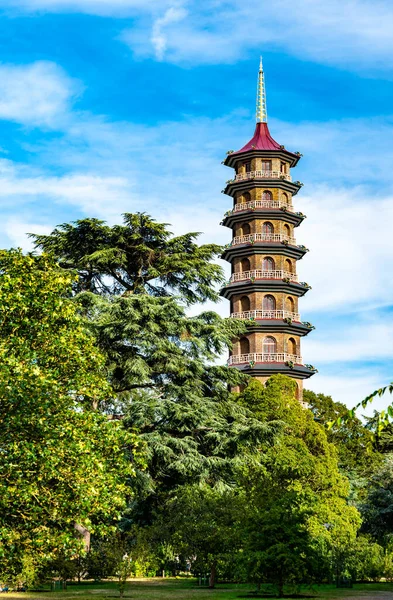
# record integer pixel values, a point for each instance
(264, 287)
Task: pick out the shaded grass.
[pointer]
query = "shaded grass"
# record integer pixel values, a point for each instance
(187, 589)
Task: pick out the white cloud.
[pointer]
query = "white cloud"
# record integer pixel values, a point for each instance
(350, 386)
(349, 236)
(16, 231)
(95, 195)
(38, 94)
(368, 338)
(332, 33)
(223, 31)
(159, 38)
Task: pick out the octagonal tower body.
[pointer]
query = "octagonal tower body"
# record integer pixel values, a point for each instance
(264, 288)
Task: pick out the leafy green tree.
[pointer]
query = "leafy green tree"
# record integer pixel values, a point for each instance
(352, 438)
(382, 438)
(61, 462)
(200, 522)
(135, 282)
(140, 256)
(295, 505)
(377, 509)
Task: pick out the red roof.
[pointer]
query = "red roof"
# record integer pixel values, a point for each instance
(262, 140)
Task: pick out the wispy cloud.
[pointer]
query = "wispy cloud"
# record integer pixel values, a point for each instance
(351, 385)
(38, 94)
(101, 195)
(159, 38)
(223, 31)
(333, 33)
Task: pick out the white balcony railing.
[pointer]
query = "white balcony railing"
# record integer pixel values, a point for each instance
(263, 175)
(239, 359)
(262, 204)
(263, 237)
(257, 274)
(266, 314)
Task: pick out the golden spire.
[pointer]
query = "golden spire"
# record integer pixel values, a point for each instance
(261, 96)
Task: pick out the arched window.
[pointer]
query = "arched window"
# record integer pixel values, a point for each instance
(245, 303)
(269, 345)
(247, 197)
(245, 265)
(266, 166)
(288, 265)
(287, 230)
(268, 264)
(284, 197)
(267, 196)
(290, 304)
(239, 199)
(267, 228)
(269, 302)
(244, 346)
(291, 346)
(246, 229)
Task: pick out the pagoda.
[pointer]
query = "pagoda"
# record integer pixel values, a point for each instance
(264, 288)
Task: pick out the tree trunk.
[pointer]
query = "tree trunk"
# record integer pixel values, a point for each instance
(85, 534)
(212, 577)
(280, 589)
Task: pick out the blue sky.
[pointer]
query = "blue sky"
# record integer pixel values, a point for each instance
(109, 106)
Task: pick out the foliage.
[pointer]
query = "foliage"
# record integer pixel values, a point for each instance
(160, 362)
(151, 344)
(200, 522)
(366, 561)
(377, 509)
(352, 438)
(296, 504)
(140, 256)
(62, 462)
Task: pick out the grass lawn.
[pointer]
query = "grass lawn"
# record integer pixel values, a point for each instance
(179, 589)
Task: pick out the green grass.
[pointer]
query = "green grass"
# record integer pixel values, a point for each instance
(187, 589)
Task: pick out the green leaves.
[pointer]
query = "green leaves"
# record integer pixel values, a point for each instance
(61, 461)
(139, 257)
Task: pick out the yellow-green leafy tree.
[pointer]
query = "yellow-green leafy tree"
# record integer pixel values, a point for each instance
(62, 462)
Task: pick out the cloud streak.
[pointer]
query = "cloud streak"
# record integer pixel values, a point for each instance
(38, 94)
(224, 31)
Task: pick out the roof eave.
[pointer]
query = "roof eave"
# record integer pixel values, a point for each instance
(233, 157)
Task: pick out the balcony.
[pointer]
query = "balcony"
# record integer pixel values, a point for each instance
(257, 274)
(262, 175)
(266, 314)
(263, 237)
(270, 204)
(239, 359)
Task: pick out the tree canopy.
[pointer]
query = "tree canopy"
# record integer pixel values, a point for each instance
(61, 462)
(140, 256)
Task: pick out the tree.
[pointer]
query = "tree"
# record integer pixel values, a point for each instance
(295, 509)
(352, 438)
(135, 283)
(61, 462)
(200, 522)
(377, 509)
(138, 257)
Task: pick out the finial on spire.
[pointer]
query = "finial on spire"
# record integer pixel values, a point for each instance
(261, 96)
